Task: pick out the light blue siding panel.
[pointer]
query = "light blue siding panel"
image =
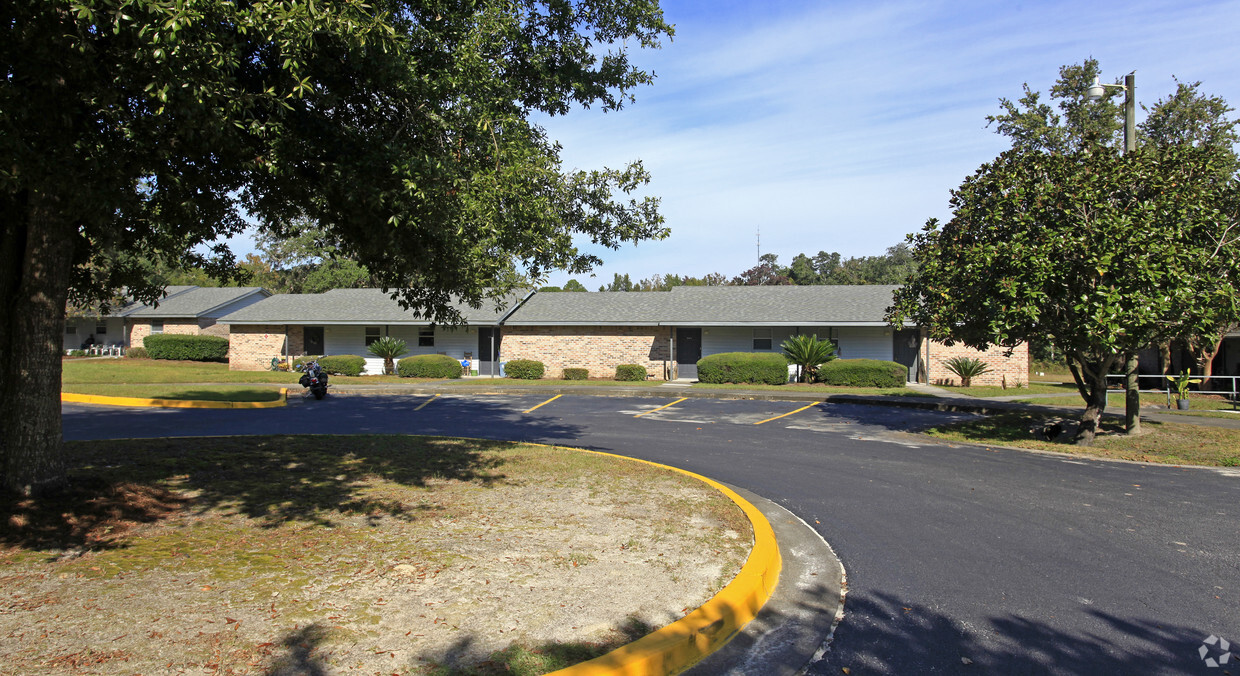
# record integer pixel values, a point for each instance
(864, 342)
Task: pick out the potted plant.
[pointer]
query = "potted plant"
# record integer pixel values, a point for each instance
(1181, 388)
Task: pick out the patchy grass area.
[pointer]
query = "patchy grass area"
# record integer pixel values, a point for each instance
(1115, 400)
(319, 554)
(195, 393)
(133, 371)
(815, 388)
(546, 382)
(1172, 443)
(1032, 388)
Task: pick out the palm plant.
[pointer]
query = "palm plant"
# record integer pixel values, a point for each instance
(967, 368)
(808, 353)
(389, 348)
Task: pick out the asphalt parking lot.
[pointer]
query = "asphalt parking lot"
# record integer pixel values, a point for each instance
(960, 559)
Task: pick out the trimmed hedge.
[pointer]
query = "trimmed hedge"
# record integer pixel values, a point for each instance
(524, 369)
(743, 367)
(428, 366)
(863, 373)
(630, 372)
(186, 347)
(137, 353)
(576, 374)
(343, 364)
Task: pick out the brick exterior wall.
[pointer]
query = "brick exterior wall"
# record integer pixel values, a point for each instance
(597, 348)
(140, 330)
(251, 348)
(297, 341)
(1013, 370)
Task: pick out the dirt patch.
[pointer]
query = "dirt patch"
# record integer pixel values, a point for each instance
(374, 554)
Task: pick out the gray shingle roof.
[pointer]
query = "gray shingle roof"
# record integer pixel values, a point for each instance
(351, 306)
(776, 305)
(593, 309)
(711, 306)
(195, 301)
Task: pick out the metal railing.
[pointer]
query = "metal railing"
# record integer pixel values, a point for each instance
(1224, 385)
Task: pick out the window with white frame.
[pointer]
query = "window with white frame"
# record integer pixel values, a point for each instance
(372, 334)
(761, 339)
(157, 327)
(426, 336)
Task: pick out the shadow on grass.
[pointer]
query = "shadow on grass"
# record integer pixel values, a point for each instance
(117, 485)
(301, 654)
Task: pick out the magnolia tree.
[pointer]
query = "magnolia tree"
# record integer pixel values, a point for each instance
(1102, 254)
(134, 131)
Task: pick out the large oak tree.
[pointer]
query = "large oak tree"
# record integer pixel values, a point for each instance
(134, 131)
(1101, 254)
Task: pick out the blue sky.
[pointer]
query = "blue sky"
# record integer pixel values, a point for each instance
(842, 126)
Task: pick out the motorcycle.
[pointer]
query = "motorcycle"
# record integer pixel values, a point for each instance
(314, 378)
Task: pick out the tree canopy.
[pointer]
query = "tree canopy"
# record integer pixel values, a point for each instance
(1103, 254)
(137, 130)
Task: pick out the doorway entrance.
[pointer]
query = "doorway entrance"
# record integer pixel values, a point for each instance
(906, 350)
(688, 352)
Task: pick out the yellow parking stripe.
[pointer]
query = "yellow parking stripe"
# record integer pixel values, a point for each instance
(788, 413)
(544, 403)
(661, 407)
(419, 408)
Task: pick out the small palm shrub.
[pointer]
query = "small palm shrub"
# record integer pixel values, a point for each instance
(389, 349)
(808, 353)
(524, 369)
(630, 372)
(967, 368)
(576, 374)
(429, 366)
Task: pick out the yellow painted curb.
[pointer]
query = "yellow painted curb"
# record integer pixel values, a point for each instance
(172, 403)
(688, 640)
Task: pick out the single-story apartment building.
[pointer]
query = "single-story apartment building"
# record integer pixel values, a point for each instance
(183, 309)
(667, 332)
(347, 321)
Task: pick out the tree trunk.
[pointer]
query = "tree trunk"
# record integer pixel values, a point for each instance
(36, 255)
(1132, 397)
(1091, 382)
(1205, 349)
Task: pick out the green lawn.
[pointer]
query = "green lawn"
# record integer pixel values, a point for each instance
(547, 382)
(131, 371)
(1172, 443)
(172, 391)
(1033, 388)
(1150, 399)
(816, 388)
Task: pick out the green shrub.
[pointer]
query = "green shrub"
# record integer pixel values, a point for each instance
(428, 366)
(343, 365)
(524, 369)
(77, 353)
(630, 372)
(137, 353)
(576, 374)
(186, 347)
(863, 373)
(743, 367)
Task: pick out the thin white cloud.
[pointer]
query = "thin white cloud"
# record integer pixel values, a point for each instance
(842, 127)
